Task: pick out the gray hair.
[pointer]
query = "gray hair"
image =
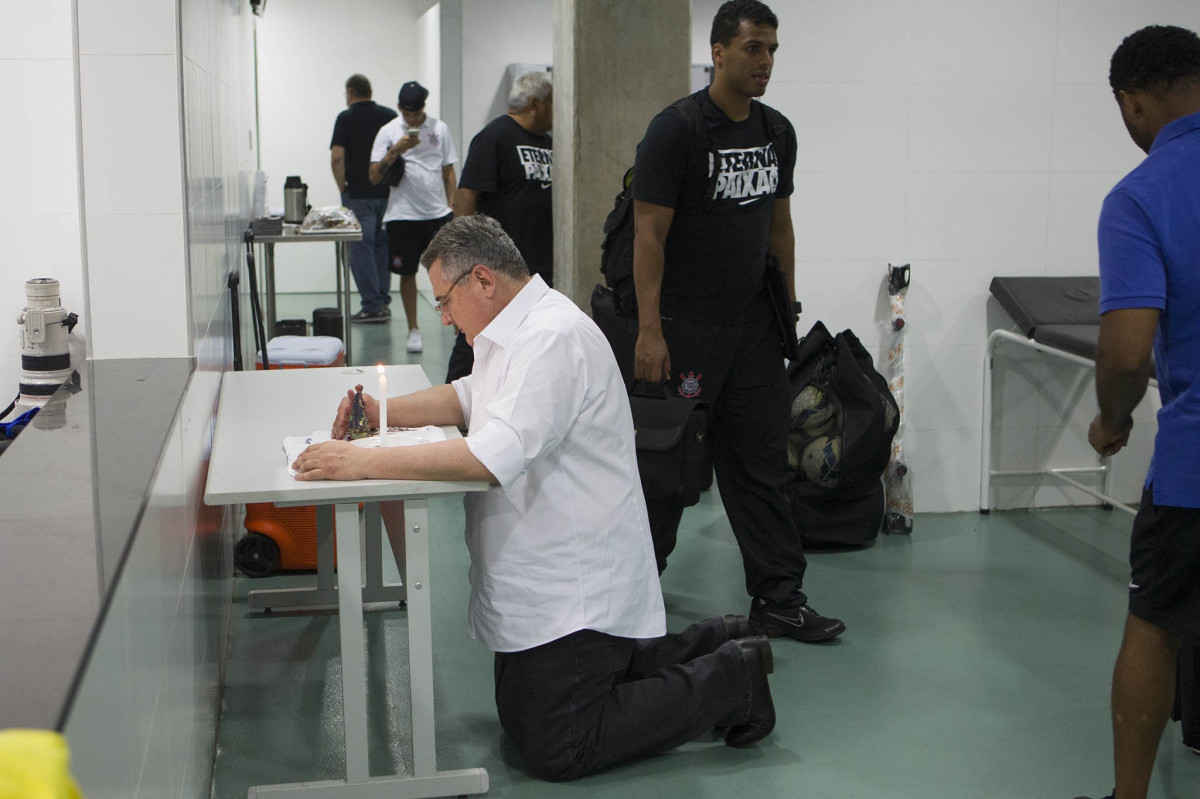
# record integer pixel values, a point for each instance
(528, 87)
(466, 241)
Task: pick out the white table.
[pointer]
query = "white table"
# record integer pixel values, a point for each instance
(291, 235)
(257, 410)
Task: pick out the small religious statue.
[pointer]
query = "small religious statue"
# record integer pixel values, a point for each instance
(359, 426)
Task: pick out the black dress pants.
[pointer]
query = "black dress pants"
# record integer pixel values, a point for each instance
(738, 370)
(591, 700)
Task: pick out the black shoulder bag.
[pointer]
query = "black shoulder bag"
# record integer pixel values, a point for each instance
(393, 173)
(671, 436)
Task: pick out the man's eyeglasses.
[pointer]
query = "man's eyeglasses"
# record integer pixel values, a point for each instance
(440, 307)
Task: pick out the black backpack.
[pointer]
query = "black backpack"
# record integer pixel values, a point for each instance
(616, 250)
(843, 420)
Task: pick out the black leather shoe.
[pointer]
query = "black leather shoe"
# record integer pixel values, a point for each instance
(756, 654)
(737, 626)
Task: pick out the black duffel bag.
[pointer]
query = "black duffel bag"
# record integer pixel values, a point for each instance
(621, 331)
(671, 436)
(843, 419)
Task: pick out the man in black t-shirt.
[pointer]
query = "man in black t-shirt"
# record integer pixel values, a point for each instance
(508, 175)
(706, 325)
(350, 157)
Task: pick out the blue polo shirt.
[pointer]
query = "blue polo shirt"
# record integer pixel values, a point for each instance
(1149, 240)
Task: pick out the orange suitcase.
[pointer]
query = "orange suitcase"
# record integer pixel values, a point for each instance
(285, 539)
(278, 539)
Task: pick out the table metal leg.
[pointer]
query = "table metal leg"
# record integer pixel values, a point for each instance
(268, 262)
(425, 781)
(420, 634)
(325, 572)
(350, 627)
(326, 594)
(374, 540)
(343, 272)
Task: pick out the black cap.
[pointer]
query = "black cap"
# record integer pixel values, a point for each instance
(412, 96)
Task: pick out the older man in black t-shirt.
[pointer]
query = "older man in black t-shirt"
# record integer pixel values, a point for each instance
(706, 325)
(350, 158)
(508, 176)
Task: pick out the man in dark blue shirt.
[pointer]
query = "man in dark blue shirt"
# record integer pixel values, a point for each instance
(350, 157)
(1149, 237)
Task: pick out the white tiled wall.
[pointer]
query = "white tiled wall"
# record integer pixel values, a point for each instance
(133, 180)
(169, 144)
(39, 206)
(972, 138)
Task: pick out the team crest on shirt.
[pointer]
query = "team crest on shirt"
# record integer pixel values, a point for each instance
(434, 139)
(689, 385)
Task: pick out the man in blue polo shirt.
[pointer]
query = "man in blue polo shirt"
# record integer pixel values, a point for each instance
(1149, 238)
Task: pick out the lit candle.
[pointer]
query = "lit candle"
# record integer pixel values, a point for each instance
(382, 407)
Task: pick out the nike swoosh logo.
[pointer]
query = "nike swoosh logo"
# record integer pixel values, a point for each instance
(545, 185)
(751, 200)
(1133, 586)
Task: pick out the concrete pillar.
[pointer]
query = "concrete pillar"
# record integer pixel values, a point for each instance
(617, 63)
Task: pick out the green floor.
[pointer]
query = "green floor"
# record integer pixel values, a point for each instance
(976, 664)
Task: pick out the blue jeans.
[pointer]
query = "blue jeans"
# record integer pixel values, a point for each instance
(369, 257)
(590, 700)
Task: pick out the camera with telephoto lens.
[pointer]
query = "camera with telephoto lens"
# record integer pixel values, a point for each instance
(45, 352)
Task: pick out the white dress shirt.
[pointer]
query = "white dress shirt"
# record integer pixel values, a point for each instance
(563, 544)
(421, 194)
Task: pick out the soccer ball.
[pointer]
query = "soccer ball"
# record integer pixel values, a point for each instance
(811, 411)
(821, 463)
(795, 446)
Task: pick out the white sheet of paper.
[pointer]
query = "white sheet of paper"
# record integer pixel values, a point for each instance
(397, 437)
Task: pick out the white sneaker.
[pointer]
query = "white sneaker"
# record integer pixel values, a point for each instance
(415, 342)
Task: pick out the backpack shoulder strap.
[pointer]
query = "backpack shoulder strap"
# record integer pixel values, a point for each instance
(700, 146)
(776, 126)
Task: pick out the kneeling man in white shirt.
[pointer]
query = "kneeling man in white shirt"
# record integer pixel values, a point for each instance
(564, 586)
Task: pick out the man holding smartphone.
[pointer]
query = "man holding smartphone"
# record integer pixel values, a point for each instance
(420, 203)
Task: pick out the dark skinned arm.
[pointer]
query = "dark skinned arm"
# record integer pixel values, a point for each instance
(651, 224)
(1122, 374)
(781, 242)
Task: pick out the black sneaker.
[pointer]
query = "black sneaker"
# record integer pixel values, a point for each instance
(365, 316)
(802, 623)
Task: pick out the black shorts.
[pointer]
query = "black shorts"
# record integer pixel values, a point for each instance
(1164, 560)
(408, 239)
